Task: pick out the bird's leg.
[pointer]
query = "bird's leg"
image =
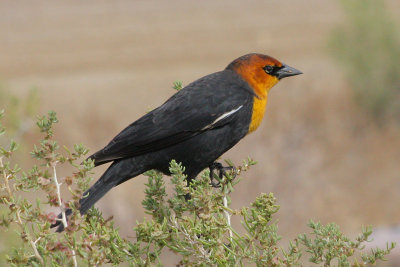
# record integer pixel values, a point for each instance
(222, 171)
(228, 169)
(212, 167)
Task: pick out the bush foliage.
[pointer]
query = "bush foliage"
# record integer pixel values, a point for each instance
(193, 222)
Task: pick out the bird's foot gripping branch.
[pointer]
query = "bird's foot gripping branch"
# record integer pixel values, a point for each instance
(198, 230)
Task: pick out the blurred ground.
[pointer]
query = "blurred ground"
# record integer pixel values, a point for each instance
(102, 64)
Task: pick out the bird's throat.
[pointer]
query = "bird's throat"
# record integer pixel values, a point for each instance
(259, 106)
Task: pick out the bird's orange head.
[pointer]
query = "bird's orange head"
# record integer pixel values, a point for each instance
(261, 72)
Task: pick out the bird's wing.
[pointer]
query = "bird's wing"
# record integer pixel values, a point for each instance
(201, 106)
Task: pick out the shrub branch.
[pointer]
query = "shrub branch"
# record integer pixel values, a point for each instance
(18, 211)
(58, 191)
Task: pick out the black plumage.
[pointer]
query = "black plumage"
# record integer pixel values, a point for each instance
(184, 128)
(195, 126)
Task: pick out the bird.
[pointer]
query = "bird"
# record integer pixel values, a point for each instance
(195, 126)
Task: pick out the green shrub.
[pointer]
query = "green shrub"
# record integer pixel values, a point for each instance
(196, 229)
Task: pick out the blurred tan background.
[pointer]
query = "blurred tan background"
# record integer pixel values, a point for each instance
(102, 64)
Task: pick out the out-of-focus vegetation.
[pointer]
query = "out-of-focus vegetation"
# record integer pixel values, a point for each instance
(367, 46)
(20, 111)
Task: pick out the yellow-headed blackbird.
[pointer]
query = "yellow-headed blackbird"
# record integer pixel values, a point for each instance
(195, 126)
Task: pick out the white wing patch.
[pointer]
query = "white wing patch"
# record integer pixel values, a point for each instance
(223, 116)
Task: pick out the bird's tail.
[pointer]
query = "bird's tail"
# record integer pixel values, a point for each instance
(97, 191)
(106, 182)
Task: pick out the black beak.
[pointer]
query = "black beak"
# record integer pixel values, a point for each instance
(286, 71)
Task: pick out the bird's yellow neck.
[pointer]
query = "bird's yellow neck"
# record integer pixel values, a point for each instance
(260, 104)
(261, 84)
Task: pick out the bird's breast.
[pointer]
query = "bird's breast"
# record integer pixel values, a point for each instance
(259, 106)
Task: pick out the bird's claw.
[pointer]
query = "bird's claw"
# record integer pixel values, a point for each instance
(222, 171)
(214, 184)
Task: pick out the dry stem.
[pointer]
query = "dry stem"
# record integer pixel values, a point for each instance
(60, 204)
(228, 217)
(62, 207)
(193, 241)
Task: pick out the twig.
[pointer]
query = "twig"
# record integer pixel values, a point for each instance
(193, 241)
(74, 258)
(19, 220)
(5, 178)
(62, 207)
(226, 191)
(228, 216)
(60, 204)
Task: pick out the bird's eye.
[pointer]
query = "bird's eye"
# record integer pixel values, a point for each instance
(269, 69)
